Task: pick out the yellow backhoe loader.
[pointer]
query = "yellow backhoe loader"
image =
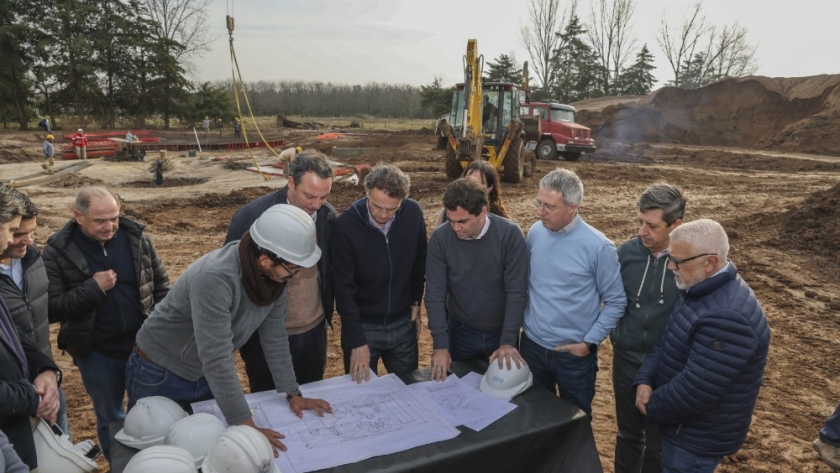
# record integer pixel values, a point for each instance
(485, 124)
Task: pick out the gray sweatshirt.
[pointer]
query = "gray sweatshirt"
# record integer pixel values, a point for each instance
(482, 283)
(206, 316)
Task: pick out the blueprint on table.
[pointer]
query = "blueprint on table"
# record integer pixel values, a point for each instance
(461, 403)
(369, 419)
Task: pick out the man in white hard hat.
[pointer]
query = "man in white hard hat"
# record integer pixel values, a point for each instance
(185, 348)
(80, 143)
(309, 304)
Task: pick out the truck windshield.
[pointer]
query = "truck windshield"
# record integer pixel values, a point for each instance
(566, 116)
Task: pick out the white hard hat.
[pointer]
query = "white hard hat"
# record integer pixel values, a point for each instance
(161, 459)
(79, 130)
(289, 233)
(148, 422)
(242, 449)
(57, 453)
(505, 383)
(195, 434)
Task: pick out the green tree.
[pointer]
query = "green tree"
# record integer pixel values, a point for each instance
(577, 70)
(638, 79)
(504, 70)
(435, 97)
(209, 101)
(15, 37)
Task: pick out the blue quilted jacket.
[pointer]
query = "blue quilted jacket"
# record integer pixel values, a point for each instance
(707, 367)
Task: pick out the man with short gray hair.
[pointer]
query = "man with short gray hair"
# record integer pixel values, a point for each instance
(379, 266)
(651, 294)
(105, 277)
(575, 295)
(310, 299)
(700, 383)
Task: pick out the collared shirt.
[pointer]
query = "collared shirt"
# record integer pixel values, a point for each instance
(384, 229)
(571, 226)
(15, 272)
(483, 229)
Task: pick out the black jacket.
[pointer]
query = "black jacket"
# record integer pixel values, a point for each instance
(28, 307)
(18, 400)
(247, 215)
(75, 295)
(377, 277)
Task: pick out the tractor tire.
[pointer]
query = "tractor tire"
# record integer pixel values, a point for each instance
(546, 149)
(514, 162)
(571, 156)
(530, 163)
(453, 165)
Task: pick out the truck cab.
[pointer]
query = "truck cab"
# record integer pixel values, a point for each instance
(560, 135)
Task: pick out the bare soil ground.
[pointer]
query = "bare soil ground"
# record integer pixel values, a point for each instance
(779, 208)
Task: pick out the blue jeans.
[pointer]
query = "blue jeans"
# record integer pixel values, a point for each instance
(830, 432)
(466, 342)
(678, 460)
(144, 378)
(574, 375)
(104, 380)
(395, 343)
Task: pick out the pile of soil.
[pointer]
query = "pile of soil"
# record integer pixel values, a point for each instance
(815, 224)
(789, 114)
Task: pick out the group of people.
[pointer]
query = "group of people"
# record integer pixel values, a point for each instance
(690, 339)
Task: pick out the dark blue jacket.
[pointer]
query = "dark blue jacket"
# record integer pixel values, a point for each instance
(376, 277)
(707, 367)
(247, 215)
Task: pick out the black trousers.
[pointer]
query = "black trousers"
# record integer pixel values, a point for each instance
(309, 358)
(638, 447)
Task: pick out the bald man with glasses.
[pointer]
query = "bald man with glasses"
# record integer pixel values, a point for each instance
(378, 255)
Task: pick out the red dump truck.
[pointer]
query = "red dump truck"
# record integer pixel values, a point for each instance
(560, 135)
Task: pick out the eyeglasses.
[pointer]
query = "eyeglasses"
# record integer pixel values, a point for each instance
(678, 262)
(289, 270)
(548, 208)
(387, 210)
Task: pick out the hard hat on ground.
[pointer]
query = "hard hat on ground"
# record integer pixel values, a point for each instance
(242, 449)
(195, 434)
(505, 383)
(289, 233)
(56, 453)
(161, 459)
(148, 422)
(298, 149)
(50, 137)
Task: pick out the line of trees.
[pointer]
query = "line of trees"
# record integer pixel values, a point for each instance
(327, 99)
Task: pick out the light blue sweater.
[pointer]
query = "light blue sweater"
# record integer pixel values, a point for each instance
(572, 274)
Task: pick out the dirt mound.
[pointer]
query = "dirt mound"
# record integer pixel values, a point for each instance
(790, 114)
(814, 225)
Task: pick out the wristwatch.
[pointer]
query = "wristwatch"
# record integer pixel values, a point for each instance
(593, 347)
(294, 394)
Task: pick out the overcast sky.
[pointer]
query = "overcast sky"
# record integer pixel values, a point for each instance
(412, 41)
